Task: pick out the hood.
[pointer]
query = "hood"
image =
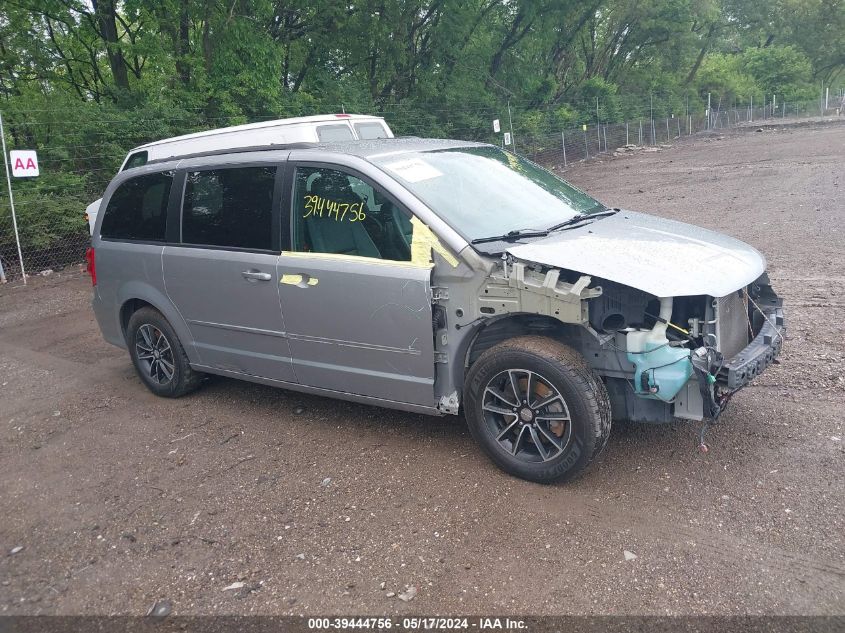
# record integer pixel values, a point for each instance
(662, 257)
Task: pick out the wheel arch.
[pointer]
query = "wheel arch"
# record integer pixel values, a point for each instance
(494, 331)
(130, 307)
(135, 296)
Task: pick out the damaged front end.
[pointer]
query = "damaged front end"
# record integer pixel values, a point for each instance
(686, 354)
(746, 329)
(660, 358)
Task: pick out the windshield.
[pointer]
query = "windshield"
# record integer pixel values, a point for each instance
(485, 191)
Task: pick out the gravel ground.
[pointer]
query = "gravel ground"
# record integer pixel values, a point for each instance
(120, 499)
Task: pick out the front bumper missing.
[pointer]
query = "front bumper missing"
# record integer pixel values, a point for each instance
(762, 351)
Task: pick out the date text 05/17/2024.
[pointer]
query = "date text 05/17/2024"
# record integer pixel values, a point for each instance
(418, 623)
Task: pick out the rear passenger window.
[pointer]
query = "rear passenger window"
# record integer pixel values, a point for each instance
(229, 207)
(137, 210)
(328, 133)
(370, 130)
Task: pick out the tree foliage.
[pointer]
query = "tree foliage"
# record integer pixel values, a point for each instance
(84, 80)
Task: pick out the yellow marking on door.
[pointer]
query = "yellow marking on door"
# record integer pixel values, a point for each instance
(291, 279)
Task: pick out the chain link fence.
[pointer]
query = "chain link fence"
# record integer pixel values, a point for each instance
(50, 209)
(559, 149)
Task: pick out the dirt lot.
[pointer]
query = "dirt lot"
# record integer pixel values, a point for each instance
(120, 499)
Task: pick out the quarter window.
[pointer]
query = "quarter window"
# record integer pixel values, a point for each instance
(136, 160)
(229, 207)
(370, 130)
(329, 133)
(335, 212)
(137, 210)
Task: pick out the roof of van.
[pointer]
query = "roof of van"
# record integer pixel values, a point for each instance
(317, 118)
(368, 149)
(388, 146)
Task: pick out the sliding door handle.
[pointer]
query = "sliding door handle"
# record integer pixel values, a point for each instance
(254, 275)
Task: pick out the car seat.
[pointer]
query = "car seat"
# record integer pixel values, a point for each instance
(331, 235)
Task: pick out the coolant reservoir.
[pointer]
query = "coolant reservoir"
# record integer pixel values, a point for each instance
(661, 370)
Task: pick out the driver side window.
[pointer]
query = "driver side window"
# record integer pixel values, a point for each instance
(335, 212)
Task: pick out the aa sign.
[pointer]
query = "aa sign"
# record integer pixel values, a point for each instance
(24, 163)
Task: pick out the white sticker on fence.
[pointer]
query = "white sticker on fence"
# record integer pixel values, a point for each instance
(414, 170)
(24, 163)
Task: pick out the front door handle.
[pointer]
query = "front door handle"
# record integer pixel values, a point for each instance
(254, 275)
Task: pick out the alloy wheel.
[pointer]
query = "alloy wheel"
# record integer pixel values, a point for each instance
(527, 415)
(155, 355)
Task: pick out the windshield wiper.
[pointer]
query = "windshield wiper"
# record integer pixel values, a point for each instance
(520, 233)
(511, 235)
(581, 217)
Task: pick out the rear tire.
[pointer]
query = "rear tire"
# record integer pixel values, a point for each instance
(537, 409)
(158, 355)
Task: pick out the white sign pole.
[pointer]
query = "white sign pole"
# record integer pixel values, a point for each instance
(510, 120)
(11, 198)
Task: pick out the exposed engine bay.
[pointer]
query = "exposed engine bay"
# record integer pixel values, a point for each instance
(660, 358)
(690, 352)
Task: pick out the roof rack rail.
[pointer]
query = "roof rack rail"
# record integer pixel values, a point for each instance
(233, 150)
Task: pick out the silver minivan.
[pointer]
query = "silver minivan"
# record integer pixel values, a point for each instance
(433, 276)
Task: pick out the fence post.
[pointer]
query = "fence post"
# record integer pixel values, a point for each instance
(679, 126)
(626, 133)
(563, 145)
(653, 133)
(586, 144)
(510, 122)
(11, 198)
(604, 132)
(667, 129)
(641, 132)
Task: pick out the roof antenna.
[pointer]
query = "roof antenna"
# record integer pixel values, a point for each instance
(342, 108)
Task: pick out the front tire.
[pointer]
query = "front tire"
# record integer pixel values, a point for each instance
(537, 409)
(158, 356)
